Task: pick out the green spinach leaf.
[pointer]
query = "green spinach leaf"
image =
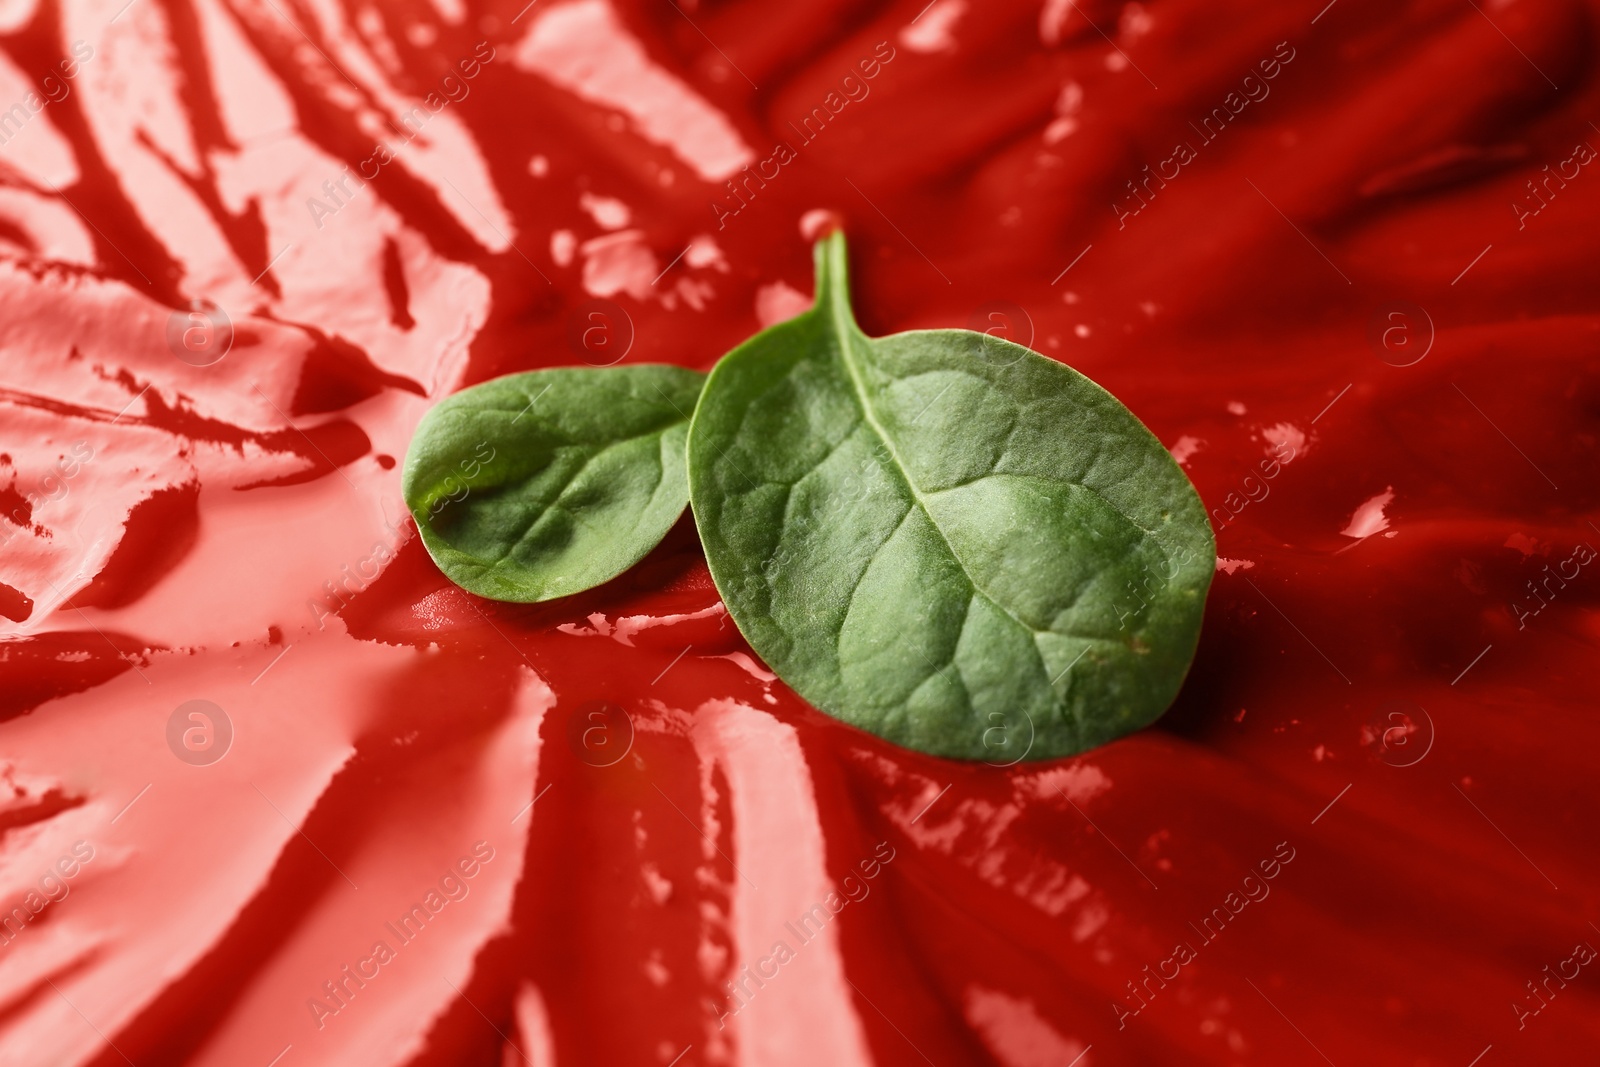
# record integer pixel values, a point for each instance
(539, 485)
(944, 538)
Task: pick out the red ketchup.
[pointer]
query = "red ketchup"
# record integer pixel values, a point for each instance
(273, 791)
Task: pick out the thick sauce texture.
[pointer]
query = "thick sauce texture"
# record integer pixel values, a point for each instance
(1339, 258)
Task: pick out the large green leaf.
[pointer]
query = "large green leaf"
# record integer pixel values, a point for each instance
(540, 485)
(945, 538)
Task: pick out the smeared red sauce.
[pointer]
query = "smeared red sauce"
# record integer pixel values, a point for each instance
(1347, 294)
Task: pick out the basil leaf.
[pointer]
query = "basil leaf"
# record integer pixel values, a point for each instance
(945, 538)
(539, 485)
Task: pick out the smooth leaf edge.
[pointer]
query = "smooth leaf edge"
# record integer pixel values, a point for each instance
(832, 302)
(452, 561)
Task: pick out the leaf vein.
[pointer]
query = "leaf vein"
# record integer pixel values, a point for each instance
(845, 338)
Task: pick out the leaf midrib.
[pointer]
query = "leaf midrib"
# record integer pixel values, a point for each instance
(555, 501)
(845, 331)
(1084, 485)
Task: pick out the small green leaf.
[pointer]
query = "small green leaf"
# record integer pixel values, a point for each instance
(540, 485)
(945, 538)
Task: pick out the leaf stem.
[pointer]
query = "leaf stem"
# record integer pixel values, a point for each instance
(833, 277)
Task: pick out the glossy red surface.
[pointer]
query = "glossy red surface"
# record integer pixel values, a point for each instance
(1369, 339)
